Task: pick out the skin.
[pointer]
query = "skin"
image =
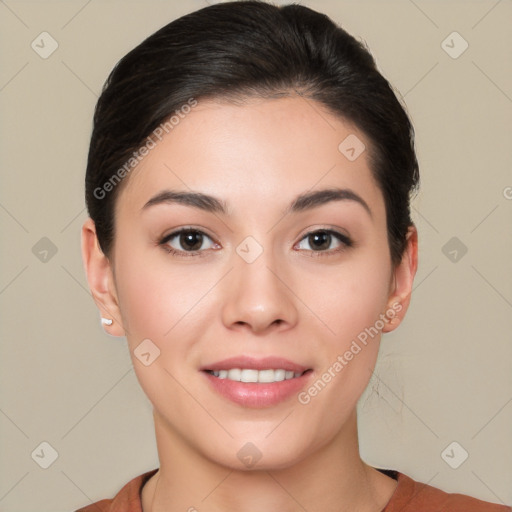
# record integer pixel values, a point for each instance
(257, 156)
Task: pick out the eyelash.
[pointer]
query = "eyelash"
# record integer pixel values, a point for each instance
(345, 240)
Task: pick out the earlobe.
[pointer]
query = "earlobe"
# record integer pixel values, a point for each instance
(100, 279)
(403, 278)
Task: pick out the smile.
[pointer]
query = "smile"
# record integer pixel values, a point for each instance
(251, 375)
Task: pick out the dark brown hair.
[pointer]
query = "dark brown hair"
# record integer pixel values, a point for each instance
(242, 49)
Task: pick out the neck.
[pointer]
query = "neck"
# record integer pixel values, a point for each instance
(332, 478)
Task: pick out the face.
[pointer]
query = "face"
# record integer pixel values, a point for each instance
(263, 274)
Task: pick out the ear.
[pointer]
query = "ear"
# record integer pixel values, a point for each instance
(402, 281)
(101, 279)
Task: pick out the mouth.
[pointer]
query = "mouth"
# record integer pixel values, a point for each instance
(257, 383)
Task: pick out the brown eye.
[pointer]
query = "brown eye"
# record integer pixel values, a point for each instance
(320, 241)
(191, 240)
(185, 241)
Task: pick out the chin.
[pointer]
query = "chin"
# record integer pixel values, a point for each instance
(258, 453)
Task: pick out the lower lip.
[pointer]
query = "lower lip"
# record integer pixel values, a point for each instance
(258, 395)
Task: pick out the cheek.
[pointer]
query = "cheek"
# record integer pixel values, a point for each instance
(349, 355)
(161, 302)
(155, 295)
(351, 299)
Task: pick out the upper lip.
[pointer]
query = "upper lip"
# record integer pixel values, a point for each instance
(251, 363)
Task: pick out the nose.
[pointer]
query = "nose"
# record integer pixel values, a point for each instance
(258, 296)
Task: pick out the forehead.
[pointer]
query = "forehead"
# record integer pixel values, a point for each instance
(255, 153)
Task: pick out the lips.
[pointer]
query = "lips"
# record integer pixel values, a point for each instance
(250, 363)
(257, 393)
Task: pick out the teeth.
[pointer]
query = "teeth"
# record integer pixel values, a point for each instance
(250, 375)
(279, 375)
(271, 375)
(234, 374)
(247, 375)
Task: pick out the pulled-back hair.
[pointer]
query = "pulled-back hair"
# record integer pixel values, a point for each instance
(245, 49)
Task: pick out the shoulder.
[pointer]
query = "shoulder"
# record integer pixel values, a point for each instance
(128, 499)
(413, 496)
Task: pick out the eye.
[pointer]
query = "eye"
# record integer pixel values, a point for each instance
(322, 239)
(190, 242)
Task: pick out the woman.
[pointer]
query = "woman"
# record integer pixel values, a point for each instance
(248, 187)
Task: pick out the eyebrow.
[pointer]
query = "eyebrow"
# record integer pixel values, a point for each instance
(302, 202)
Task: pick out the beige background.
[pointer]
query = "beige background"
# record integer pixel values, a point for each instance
(444, 376)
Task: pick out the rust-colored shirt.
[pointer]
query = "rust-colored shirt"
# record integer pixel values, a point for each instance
(409, 496)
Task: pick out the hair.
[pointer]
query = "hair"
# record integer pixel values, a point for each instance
(235, 51)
